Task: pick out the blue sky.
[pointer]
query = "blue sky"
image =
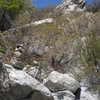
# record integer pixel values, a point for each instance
(45, 3)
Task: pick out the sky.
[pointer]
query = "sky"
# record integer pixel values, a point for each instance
(45, 3)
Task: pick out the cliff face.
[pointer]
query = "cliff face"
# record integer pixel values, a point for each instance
(68, 6)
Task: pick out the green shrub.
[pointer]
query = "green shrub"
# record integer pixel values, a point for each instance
(14, 5)
(90, 48)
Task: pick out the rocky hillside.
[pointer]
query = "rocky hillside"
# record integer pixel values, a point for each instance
(52, 55)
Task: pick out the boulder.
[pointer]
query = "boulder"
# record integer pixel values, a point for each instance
(59, 82)
(37, 73)
(64, 95)
(25, 87)
(17, 64)
(38, 48)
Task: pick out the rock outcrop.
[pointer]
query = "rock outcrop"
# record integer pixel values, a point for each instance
(68, 6)
(33, 24)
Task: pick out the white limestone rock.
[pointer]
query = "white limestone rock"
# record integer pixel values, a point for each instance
(24, 85)
(59, 82)
(64, 95)
(68, 6)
